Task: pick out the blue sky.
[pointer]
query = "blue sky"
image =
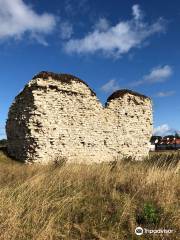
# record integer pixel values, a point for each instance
(109, 44)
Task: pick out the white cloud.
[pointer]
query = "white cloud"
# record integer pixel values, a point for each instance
(119, 39)
(165, 94)
(17, 18)
(110, 86)
(66, 30)
(102, 24)
(162, 130)
(156, 75)
(136, 11)
(159, 74)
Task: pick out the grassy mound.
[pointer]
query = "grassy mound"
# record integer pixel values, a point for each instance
(106, 201)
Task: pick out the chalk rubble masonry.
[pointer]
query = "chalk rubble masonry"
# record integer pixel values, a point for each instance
(57, 116)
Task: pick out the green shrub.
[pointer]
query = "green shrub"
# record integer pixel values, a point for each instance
(149, 214)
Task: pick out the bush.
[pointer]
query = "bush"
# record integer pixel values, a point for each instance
(149, 214)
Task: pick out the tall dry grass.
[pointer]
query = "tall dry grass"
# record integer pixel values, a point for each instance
(88, 202)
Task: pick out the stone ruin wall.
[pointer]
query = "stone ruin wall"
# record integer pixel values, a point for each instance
(59, 117)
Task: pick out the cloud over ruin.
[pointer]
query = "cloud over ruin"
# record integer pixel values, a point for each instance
(165, 93)
(111, 86)
(17, 18)
(158, 74)
(118, 39)
(162, 130)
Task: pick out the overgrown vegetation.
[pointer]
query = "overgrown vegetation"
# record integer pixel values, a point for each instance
(88, 202)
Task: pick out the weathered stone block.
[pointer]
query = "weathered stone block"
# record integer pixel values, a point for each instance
(57, 116)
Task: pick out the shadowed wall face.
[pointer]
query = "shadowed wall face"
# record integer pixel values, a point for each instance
(59, 116)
